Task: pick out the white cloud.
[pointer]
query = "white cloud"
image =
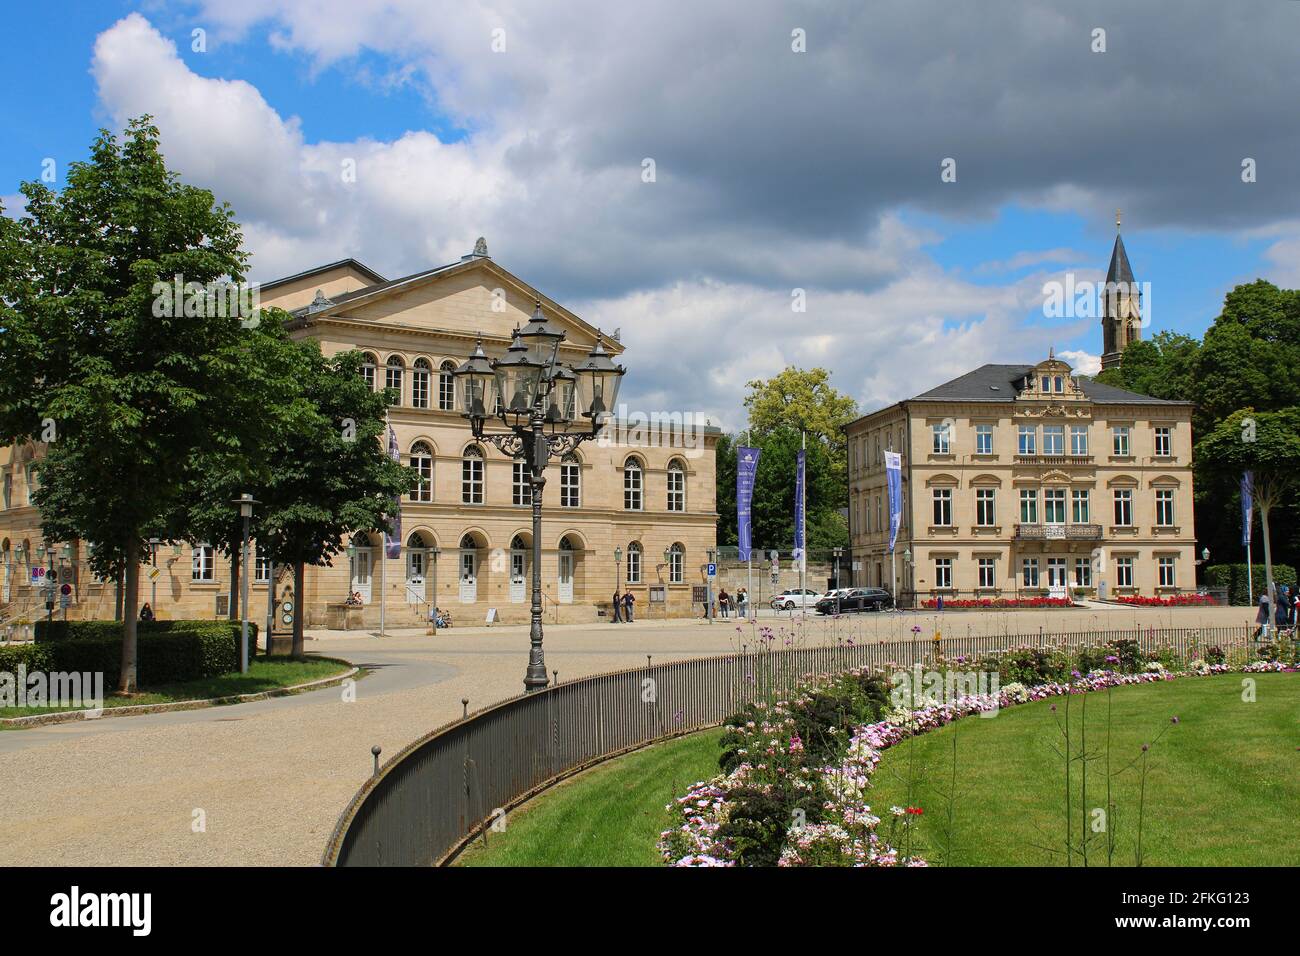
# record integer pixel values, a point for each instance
(1084, 363)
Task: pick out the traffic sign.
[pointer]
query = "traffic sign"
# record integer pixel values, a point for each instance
(38, 574)
(713, 570)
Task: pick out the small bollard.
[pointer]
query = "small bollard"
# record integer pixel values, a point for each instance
(464, 707)
(647, 660)
(555, 677)
(376, 750)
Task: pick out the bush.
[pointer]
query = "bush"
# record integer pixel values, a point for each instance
(166, 651)
(1233, 577)
(33, 657)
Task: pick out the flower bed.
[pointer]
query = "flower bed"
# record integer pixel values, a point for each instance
(1174, 600)
(956, 603)
(797, 771)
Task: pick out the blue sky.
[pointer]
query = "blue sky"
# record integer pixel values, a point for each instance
(776, 171)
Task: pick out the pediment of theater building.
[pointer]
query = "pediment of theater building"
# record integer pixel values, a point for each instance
(469, 298)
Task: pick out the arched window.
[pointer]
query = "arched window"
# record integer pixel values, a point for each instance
(368, 370)
(421, 372)
(676, 485)
(634, 563)
(676, 563)
(471, 476)
(393, 377)
(422, 462)
(446, 386)
(518, 559)
(633, 485)
(570, 481)
(417, 553)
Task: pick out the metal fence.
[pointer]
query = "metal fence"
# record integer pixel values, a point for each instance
(445, 787)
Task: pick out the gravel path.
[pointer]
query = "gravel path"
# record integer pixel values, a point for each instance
(271, 777)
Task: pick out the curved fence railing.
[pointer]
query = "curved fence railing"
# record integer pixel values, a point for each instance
(425, 802)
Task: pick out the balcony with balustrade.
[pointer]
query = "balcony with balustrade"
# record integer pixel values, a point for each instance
(1058, 532)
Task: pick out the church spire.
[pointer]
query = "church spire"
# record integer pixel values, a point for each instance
(1121, 300)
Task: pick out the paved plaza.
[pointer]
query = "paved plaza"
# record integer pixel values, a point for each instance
(271, 777)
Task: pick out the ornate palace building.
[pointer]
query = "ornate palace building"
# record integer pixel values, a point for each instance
(644, 491)
(1024, 480)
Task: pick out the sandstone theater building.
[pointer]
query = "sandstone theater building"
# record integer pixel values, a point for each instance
(1025, 480)
(644, 491)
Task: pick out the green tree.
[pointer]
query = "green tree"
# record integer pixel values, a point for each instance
(1267, 444)
(132, 390)
(725, 466)
(804, 399)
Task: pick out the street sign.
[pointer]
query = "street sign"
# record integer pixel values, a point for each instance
(38, 575)
(65, 596)
(713, 570)
(153, 573)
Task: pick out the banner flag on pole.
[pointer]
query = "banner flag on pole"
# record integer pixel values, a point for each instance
(799, 509)
(393, 543)
(746, 468)
(1247, 506)
(894, 479)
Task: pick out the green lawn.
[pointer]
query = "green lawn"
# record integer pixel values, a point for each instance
(263, 674)
(1222, 789)
(610, 815)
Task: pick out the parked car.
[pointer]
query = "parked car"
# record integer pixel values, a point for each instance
(796, 598)
(857, 599)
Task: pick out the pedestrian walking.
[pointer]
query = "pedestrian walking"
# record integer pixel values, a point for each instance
(628, 601)
(618, 607)
(723, 598)
(1262, 617)
(1282, 608)
(742, 603)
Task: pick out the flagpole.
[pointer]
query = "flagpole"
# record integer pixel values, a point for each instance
(803, 521)
(383, 544)
(749, 592)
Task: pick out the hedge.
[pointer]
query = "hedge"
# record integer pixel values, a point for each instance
(1233, 577)
(166, 651)
(34, 658)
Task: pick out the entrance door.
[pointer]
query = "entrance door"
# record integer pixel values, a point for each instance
(468, 576)
(361, 573)
(1056, 575)
(416, 589)
(516, 577)
(566, 572)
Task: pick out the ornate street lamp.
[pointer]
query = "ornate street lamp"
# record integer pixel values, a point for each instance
(536, 391)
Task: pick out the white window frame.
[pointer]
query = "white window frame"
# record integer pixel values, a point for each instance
(1163, 565)
(447, 387)
(1027, 440)
(1083, 572)
(1029, 573)
(395, 371)
(1121, 441)
(676, 486)
(633, 575)
(1123, 507)
(1123, 572)
(570, 482)
(1053, 439)
(983, 439)
(633, 485)
(1029, 506)
(1079, 441)
(521, 487)
(942, 507)
(988, 572)
(471, 476)
(985, 507)
(676, 564)
(203, 563)
(941, 441)
(420, 375)
(1164, 507)
(1080, 505)
(1164, 439)
(421, 459)
(1053, 506)
(943, 574)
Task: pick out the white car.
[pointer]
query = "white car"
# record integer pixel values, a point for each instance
(795, 598)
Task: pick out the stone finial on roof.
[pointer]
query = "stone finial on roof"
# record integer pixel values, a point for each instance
(480, 247)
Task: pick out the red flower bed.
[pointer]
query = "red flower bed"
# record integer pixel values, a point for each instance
(1174, 600)
(998, 602)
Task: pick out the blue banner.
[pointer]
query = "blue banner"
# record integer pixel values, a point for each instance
(798, 507)
(894, 479)
(393, 543)
(746, 468)
(1247, 506)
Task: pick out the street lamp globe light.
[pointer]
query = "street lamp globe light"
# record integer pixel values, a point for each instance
(475, 373)
(1205, 554)
(518, 377)
(598, 381)
(542, 338)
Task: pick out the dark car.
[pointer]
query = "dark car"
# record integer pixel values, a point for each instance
(859, 599)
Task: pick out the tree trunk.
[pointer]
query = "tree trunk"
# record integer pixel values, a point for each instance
(299, 577)
(130, 615)
(1265, 506)
(234, 583)
(117, 597)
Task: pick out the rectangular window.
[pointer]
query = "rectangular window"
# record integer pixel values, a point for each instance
(1164, 442)
(1123, 572)
(1027, 440)
(1054, 505)
(523, 490)
(1053, 439)
(1079, 441)
(420, 387)
(1124, 507)
(1166, 572)
(204, 563)
(446, 389)
(1029, 506)
(987, 573)
(1165, 508)
(261, 570)
(1121, 444)
(1080, 510)
(1029, 573)
(984, 514)
(471, 480)
(983, 439)
(632, 486)
(570, 485)
(1083, 572)
(393, 380)
(943, 573)
(942, 438)
(943, 506)
(676, 488)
